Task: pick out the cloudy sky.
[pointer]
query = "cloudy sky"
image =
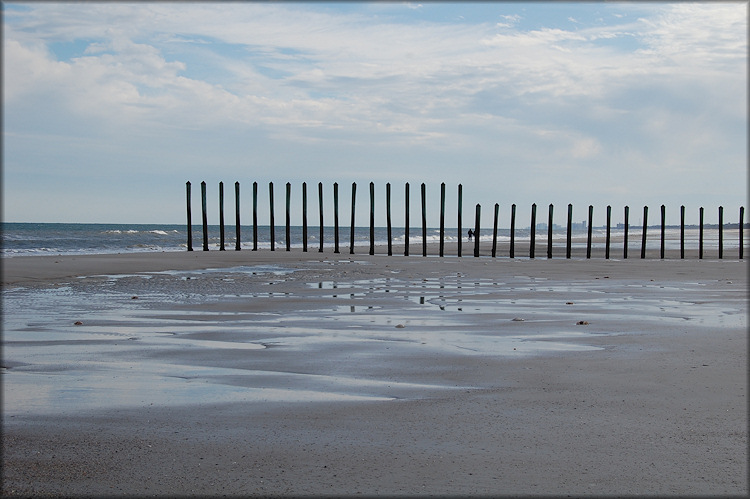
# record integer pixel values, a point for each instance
(109, 108)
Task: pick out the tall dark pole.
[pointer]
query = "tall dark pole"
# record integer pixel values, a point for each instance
(372, 218)
(221, 216)
(255, 216)
(682, 231)
(721, 232)
(273, 227)
(320, 210)
(388, 217)
(476, 230)
(626, 225)
(663, 230)
(645, 230)
(742, 221)
(335, 217)
(568, 242)
(351, 233)
(205, 216)
(532, 233)
(304, 217)
(288, 215)
(406, 219)
(442, 218)
(190, 220)
(424, 220)
(588, 238)
(700, 233)
(549, 232)
(494, 230)
(237, 216)
(512, 230)
(460, 230)
(609, 227)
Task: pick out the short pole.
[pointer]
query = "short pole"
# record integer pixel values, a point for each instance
(626, 225)
(663, 230)
(682, 232)
(476, 230)
(255, 216)
(351, 232)
(721, 232)
(700, 233)
(645, 230)
(424, 220)
(742, 222)
(221, 216)
(320, 210)
(335, 217)
(205, 216)
(442, 218)
(494, 230)
(237, 216)
(588, 238)
(460, 229)
(549, 232)
(189, 219)
(304, 217)
(288, 215)
(532, 233)
(568, 242)
(406, 219)
(609, 228)
(372, 218)
(512, 230)
(273, 227)
(388, 217)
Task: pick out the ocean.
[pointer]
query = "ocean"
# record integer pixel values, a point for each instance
(77, 239)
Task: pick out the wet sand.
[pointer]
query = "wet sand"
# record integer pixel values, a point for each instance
(289, 373)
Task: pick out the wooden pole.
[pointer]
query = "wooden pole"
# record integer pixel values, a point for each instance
(700, 233)
(237, 216)
(351, 232)
(189, 219)
(255, 216)
(549, 232)
(273, 227)
(442, 218)
(626, 225)
(320, 210)
(221, 216)
(512, 230)
(645, 230)
(304, 217)
(682, 232)
(372, 218)
(609, 228)
(476, 230)
(568, 243)
(335, 217)
(205, 216)
(424, 220)
(721, 232)
(494, 230)
(588, 238)
(460, 230)
(663, 230)
(406, 219)
(532, 233)
(742, 221)
(288, 216)
(388, 216)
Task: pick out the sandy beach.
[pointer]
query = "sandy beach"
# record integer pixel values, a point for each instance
(320, 374)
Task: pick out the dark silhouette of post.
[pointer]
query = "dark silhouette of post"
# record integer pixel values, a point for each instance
(189, 219)
(237, 216)
(549, 232)
(532, 233)
(721, 232)
(205, 216)
(663, 230)
(476, 230)
(388, 217)
(288, 215)
(626, 225)
(304, 217)
(460, 229)
(442, 218)
(221, 216)
(742, 221)
(372, 218)
(320, 210)
(590, 227)
(255, 216)
(494, 230)
(406, 219)
(351, 232)
(512, 230)
(424, 220)
(273, 227)
(568, 242)
(609, 227)
(645, 230)
(682, 232)
(700, 233)
(335, 217)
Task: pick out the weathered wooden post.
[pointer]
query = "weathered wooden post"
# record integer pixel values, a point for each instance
(645, 230)
(626, 225)
(442, 218)
(460, 229)
(700, 233)
(388, 216)
(568, 242)
(189, 219)
(288, 215)
(476, 230)
(512, 230)
(609, 227)
(372, 218)
(237, 216)
(424, 220)
(406, 219)
(205, 216)
(304, 217)
(663, 229)
(320, 210)
(532, 233)
(494, 230)
(590, 227)
(742, 221)
(351, 233)
(549, 232)
(221, 216)
(682, 232)
(335, 217)
(273, 227)
(721, 232)
(255, 216)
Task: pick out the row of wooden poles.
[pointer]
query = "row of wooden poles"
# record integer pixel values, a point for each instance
(477, 219)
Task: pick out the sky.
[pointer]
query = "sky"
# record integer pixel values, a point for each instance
(110, 108)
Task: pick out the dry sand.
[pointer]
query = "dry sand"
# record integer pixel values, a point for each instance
(290, 373)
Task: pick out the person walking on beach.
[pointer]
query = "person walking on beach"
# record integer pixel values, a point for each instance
(471, 234)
